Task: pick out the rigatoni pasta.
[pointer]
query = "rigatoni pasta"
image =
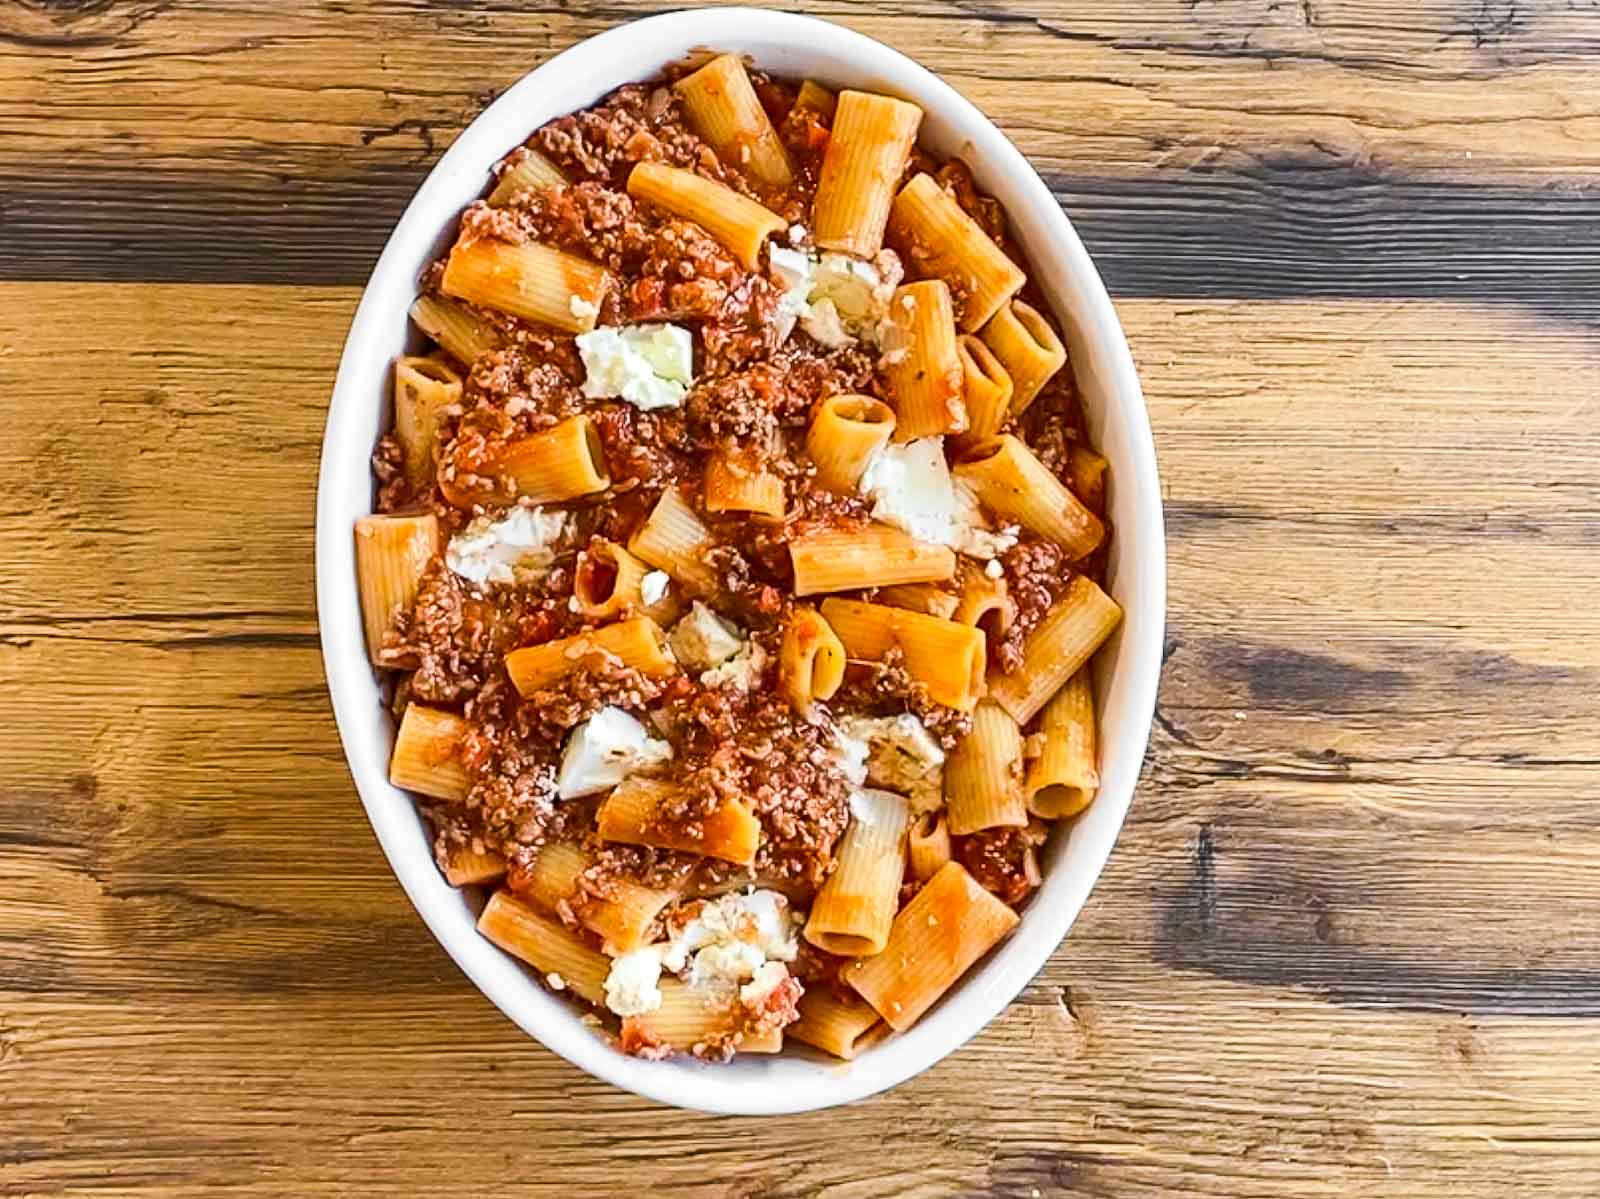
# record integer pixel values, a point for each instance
(1064, 640)
(607, 581)
(553, 950)
(458, 330)
(736, 483)
(846, 431)
(946, 657)
(811, 659)
(734, 567)
(1063, 777)
(1012, 482)
(986, 388)
(632, 813)
(540, 283)
(834, 1024)
(723, 108)
(949, 924)
(868, 556)
(427, 755)
(674, 539)
(528, 170)
(851, 914)
(1028, 348)
(424, 391)
(926, 378)
(465, 866)
(983, 778)
(927, 845)
(738, 222)
(623, 917)
(940, 241)
(559, 463)
(637, 643)
(392, 552)
(867, 153)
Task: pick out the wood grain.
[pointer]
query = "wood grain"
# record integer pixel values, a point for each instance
(1325, 959)
(1348, 944)
(1258, 149)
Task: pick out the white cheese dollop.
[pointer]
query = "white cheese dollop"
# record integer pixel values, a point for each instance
(743, 670)
(649, 366)
(911, 488)
(604, 750)
(834, 297)
(703, 640)
(519, 545)
(632, 983)
(851, 752)
(736, 941)
(902, 756)
(653, 587)
(792, 270)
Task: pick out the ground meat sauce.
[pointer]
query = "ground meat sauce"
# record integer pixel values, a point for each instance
(756, 385)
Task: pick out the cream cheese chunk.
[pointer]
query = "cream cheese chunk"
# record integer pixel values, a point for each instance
(512, 548)
(604, 750)
(702, 640)
(649, 366)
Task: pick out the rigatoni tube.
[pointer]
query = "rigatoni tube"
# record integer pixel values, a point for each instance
(985, 389)
(940, 241)
(1076, 626)
(427, 753)
(736, 221)
(834, 1024)
(870, 556)
(562, 462)
(546, 945)
(623, 918)
(633, 814)
(606, 581)
(424, 388)
(983, 775)
(638, 643)
(810, 658)
(1011, 482)
(851, 914)
(927, 845)
(846, 431)
(465, 866)
(740, 482)
(1027, 347)
(461, 332)
(946, 656)
(947, 926)
(861, 168)
(923, 362)
(1062, 780)
(525, 170)
(537, 282)
(723, 108)
(391, 554)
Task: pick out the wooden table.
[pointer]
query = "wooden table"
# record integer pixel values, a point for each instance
(1350, 941)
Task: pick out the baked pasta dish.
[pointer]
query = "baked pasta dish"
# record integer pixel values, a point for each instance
(736, 562)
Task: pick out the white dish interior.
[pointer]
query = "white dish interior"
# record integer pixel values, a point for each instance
(1128, 667)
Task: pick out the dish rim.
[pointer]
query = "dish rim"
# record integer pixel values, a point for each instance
(749, 1085)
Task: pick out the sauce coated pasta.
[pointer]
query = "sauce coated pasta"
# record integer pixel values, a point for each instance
(735, 564)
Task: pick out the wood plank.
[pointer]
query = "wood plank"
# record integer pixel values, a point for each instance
(229, 83)
(1346, 946)
(1137, 1085)
(1258, 149)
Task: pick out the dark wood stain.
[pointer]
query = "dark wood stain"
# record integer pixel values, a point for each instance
(1276, 925)
(1289, 226)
